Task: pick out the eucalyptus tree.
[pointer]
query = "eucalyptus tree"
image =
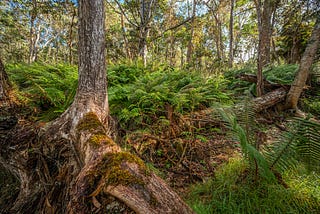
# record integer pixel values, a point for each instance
(265, 14)
(231, 52)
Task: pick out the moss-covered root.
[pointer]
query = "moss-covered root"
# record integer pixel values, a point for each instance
(108, 170)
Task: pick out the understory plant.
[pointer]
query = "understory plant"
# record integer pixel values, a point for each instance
(142, 98)
(48, 89)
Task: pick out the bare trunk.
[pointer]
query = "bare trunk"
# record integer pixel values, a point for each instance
(231, 35)
(305, 65)
(32, 32)
(190, 44)
(71, 37)
(126, 43)
(143, 48)
(264, 14)
(4, 85)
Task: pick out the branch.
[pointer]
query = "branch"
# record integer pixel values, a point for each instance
(124, 14)
(174, 27)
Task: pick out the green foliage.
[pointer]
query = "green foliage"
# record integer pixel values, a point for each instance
(45, 87)
(301, 143)
(229, 193)
(139, 96)
(283, 74)
(258, 163)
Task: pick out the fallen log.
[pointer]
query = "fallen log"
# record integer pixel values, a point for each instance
(270, 99)
(267, 84)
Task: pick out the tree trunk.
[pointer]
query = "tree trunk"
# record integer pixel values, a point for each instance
(264, 14)
(125, 39)
(74, 167)
(190, 44)
(70, 55)
(231, 35)
(4, 84)
(305, 65)
(32, 36)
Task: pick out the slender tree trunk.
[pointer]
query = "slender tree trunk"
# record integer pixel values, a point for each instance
(264, 14)
(143, 48)
(32, 37)
(125, 39)
(231, 35)
(190, 44)
(305, 65)
(146, 11)
(71, 37)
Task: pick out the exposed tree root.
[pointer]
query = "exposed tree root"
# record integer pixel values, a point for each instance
(89, 174)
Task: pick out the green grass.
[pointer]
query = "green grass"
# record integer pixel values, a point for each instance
(232, 192)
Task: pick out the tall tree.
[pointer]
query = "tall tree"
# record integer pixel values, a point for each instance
(190, 44)
(305, 65)
(265, 9)
(231, 34)
(33, 32)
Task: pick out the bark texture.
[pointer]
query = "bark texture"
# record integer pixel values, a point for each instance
(231, 35)
(4, 83)
(305, 65)
(265, 10)
(270, 99)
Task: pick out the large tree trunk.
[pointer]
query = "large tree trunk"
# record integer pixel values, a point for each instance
(74, 166)
(305, 64)
(4, 83)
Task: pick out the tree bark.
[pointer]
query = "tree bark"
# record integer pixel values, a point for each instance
(32, 34)
(146, 12)
(231, 35)
(4, 84)
(190, 44)
(70, 41)
(270, 99)
(264, 14)
(305, 65)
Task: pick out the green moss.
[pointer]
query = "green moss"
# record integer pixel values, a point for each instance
(90, 122)
(116, 174)
(99, 139)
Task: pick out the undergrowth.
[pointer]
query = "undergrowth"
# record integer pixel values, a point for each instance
(143, 98)
(228, 192)
(47, 89)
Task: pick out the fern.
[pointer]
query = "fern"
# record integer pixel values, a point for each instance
(257, 161)
(144, 98)
(45, 87)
